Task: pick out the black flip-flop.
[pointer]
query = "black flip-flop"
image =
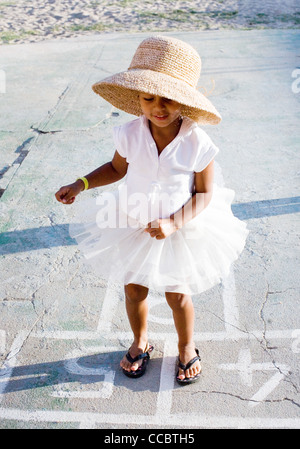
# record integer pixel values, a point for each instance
(141, 369)
(188, 380)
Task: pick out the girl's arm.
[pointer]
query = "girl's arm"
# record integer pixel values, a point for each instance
(164, 227)
(200, 199)
(106, 174)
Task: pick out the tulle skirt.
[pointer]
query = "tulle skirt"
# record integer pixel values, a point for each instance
(191, 260)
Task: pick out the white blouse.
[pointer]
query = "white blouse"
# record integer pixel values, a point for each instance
(157, 185)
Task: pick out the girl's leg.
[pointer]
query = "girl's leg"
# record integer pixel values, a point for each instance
(137, 311)
(183, 314)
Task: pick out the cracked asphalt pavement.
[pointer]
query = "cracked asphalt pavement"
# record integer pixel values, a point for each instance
(63, 331)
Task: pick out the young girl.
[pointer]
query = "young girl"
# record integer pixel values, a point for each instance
(168, 226)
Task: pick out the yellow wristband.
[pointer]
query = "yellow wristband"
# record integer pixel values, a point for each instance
(85, 182)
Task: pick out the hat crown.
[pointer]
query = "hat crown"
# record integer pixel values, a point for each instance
(169, 56)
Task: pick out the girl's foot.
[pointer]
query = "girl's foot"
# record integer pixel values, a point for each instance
(134, 351)
(186, 355)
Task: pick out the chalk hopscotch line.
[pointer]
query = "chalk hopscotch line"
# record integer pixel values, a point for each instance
(2, 341)
(199, 336)
(163, 416)
(245, 368)
(182, 420)
(72, 366)
(10, 362)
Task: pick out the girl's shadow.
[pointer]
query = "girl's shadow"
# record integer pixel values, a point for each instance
(100, 370)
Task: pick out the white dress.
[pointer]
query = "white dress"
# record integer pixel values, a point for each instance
(111, 232)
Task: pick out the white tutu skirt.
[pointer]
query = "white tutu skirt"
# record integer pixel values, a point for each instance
(191, 260)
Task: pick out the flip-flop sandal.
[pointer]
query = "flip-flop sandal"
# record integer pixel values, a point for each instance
(188, 380)
(141, 369)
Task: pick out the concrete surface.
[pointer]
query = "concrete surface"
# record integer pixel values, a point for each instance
(62, 330)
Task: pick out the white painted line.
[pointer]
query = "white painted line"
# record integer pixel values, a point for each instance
(181, 420)
(268, 387)
(231, 310)
(108, 310)
(167, 375)
(296, 342)
(199, 336)
(2, 341)
(87, 424)
(10, 362)
(73, 366)
(104, 392)
(245, 369)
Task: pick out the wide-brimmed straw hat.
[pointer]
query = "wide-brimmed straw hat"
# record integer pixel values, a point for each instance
(162, 66)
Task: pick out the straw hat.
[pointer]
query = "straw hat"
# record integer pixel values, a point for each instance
(162, 66)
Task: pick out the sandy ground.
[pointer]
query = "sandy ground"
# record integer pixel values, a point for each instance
(37, 20)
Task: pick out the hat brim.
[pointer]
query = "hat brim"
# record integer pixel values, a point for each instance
(121, 90)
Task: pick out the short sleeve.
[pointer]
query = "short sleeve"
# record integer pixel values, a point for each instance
(120, 140)
(206, 152)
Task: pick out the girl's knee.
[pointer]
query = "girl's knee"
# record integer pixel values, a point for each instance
(135, 292)
(177, 300)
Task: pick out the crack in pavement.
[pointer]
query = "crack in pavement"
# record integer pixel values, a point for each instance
(248, 399)
(266, 344)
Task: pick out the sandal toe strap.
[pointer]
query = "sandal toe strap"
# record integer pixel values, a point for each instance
(140, 356)
(190, 363)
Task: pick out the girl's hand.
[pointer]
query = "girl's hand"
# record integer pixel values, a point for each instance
(67, 194)
(161, 228)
